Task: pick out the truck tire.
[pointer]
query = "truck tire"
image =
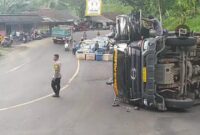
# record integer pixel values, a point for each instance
(179, 103)
(186, 42)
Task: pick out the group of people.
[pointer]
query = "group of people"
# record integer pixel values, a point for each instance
(84, 37)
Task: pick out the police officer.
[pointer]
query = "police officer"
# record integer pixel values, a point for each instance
(55, 84)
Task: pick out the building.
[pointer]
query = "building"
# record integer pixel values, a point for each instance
(11, 23)
(41, 19)
(52, 17)
(56, 16)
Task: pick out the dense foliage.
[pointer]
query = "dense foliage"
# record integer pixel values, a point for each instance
(172, 12)
(14, 6)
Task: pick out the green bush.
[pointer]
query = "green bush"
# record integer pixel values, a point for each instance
(193, 22)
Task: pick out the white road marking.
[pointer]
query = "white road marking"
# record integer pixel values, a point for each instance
(16, 68)
(44, 97)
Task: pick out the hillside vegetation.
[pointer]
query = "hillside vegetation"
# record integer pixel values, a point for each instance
(171, 12)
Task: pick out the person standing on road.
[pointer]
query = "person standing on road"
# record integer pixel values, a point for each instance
(84, 35)
(98, 34)
(96, 46)
(107, 47)
(55, 84)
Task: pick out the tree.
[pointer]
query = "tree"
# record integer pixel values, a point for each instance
(14, 6)
(79, 7)
(51, 3)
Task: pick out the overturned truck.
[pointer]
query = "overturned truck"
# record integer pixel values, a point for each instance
(155, 69)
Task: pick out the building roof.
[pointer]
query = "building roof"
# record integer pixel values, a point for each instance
(52, 15)
(23, 19)
(40, 16)
(101, 19)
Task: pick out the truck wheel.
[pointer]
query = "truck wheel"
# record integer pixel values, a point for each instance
(179, 103)
(187, 42)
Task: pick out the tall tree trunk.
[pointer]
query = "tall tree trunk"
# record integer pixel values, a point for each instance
(160, 10)
(4, 6)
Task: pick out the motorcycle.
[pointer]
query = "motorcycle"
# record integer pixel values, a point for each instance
(7, 42)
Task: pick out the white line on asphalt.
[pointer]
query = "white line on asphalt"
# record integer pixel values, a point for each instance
(44, 97)
(16, 68)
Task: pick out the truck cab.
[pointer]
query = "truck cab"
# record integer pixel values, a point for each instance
(61, 35)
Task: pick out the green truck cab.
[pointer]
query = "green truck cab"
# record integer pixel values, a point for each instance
(62, 35)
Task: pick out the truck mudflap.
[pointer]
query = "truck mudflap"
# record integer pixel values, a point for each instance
(179, 103)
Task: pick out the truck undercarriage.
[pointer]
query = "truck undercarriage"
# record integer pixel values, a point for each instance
(162, 71)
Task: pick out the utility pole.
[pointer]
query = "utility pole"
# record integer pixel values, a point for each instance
(109, 6)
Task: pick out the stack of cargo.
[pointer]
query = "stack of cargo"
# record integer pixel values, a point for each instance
(99, 57)
(107, 57)
(80, 56)
(90, 56)
(99, 54)
(94, 56)
(86, 50)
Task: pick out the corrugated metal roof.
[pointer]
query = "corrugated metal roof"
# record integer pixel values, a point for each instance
(42, 15)
(101, 19)
(56, 15)
(23, 19)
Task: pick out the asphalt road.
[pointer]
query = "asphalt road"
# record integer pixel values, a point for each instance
(84, 108)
